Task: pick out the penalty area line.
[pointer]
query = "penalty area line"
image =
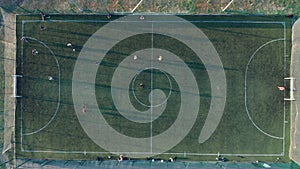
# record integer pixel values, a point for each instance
(245, 90)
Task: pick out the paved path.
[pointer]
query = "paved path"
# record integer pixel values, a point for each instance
(295, 106)
(10, 69)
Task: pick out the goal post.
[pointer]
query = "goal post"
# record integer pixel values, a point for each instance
(294, 150)
(15, 85)
(292, 89)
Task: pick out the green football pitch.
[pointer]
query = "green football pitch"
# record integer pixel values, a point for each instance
(184, 86)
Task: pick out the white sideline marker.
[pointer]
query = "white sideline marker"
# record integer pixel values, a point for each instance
(136, 6)
(227, 5)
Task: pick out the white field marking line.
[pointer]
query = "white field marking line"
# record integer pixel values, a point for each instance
(227, 5)
(137, 5)
(146, 153)
(22, 58)
(246, 107)
(295, 132)
(212, 21)
(15, 105)
(284, 57)
(58, 102)
(76, 4)
(151, 94)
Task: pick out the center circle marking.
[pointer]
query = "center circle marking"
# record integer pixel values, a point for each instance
(156, 105)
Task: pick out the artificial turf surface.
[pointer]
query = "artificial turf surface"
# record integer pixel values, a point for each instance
(235, 42)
